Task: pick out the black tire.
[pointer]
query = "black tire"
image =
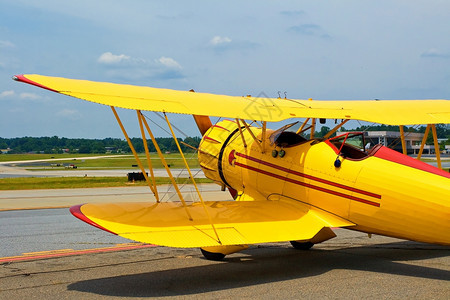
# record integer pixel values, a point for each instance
(302, 246)
(212, 256)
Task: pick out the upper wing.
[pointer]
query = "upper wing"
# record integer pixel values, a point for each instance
(236, 222)
(392, 112)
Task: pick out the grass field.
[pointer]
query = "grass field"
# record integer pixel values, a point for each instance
(118, 162)
(29, 183)
(82, 162)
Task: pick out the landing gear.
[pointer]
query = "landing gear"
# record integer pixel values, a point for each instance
(302, 245)
(212, 256)
(219, 252)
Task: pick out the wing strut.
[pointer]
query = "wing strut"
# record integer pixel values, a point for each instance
(402, 138)
(258, 142)
(435, 141)
(263, 136)
(313, 128)
(147, 154)
(424, 141)
(150, 185)
(300, 130)
(192, 178)
(436, 146)
(330, 133)
(240, 133)
(166, 166)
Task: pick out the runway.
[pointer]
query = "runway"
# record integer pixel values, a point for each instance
(9, 169)
(9, 172)
(57, 198)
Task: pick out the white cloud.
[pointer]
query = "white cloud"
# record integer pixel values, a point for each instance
(71, 114)
(109, 58)
(6, 44)
(131, 68)
(29, 96)
(169, 62)
(5, 94)
(11, 94)
(309, 30)
(219, 40)
(432, 52)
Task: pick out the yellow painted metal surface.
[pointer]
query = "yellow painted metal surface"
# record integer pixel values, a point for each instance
(236, 222)
(378, 195)
(267, 109)
(415, 205)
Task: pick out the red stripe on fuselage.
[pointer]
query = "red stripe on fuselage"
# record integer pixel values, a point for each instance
(308, 185)
(345, 187)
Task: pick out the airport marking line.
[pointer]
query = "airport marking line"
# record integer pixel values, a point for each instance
(35, 208)
(71, 252)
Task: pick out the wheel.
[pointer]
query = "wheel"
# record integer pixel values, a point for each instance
(212, 256)
(302, 246)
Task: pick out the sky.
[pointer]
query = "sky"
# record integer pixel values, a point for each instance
(325, 50)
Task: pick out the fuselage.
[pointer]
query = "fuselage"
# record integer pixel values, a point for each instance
(382, 191)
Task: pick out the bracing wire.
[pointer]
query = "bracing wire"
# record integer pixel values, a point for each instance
(167, 196)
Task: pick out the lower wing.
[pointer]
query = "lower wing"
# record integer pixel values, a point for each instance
(235, 222)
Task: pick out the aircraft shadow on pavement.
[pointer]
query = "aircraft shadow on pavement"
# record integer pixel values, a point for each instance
(270, 264)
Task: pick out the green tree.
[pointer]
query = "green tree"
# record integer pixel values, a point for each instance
(84, 149)
(323, 131)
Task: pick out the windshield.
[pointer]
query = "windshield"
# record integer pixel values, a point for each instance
(284, 138)
(351, 145)
(274, 136)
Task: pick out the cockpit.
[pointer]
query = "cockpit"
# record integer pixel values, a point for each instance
(351, 145)
(285, 138)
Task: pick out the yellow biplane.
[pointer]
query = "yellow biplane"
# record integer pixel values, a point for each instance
(287, 186)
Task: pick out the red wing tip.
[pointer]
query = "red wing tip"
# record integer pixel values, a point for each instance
(22, 78)
(76, 212)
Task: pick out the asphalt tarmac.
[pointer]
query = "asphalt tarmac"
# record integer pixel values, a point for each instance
(350, 266)
(67, 259)
(34, 232)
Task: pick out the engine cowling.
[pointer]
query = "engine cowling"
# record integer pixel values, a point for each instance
(211, 149)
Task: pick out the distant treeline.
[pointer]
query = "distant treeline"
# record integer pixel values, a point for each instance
(115, 145)
(442, 130)
(108, 145)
